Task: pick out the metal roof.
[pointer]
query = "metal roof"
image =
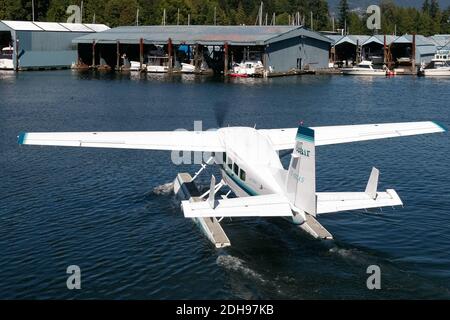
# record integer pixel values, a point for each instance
(53, 26)
(441, 40)
(420, 40)
(363, 39)
(207, 35)
(352, 39)
(380, 39)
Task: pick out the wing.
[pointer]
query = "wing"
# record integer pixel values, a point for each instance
(257, 206)
(157, 140)
(283, 139)
(328, 202)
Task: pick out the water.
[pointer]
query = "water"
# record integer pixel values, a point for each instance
(99, 209)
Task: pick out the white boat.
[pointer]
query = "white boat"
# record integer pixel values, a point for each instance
(157, 69)
(6, 58)
(158, 64)
(136, 66)
(364, 68)
(439, 65)
(187, 68)
(248, 69)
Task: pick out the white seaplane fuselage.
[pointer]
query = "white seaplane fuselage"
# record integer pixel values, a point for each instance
(251, 166)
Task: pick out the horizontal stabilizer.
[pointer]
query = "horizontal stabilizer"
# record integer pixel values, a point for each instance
(256, 206)
(328, 202)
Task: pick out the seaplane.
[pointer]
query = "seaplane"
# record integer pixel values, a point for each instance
(250, 165)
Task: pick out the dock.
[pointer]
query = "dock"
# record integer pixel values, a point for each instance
(186, 189)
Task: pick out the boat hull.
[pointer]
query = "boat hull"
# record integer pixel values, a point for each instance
(436, 72)
(6, 64)
(157, 69)
(350, 72)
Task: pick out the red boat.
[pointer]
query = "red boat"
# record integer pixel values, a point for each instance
(239, 75)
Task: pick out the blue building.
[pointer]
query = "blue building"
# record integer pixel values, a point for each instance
(43, 45)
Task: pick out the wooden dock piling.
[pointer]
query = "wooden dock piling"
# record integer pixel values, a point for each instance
(225, 52)
(141, 53)
(117, 55)
(93, 54)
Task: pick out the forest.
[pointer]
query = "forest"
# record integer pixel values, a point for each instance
(315, 14)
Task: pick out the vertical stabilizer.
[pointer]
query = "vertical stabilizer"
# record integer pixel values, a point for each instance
(301, 178)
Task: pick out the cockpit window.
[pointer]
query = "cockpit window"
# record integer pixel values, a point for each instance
(224, 157)
(242, 175)
(236, 169)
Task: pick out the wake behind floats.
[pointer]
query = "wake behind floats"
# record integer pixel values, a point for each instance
(250, 166)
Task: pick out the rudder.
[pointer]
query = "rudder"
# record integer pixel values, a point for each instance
(301, 178)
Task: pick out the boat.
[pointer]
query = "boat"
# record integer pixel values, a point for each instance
(158, 64)
(187, 68)
(79, 65)
(438, 67)
(6, 58)
(248, 69)
(136, 66)
(364, 68)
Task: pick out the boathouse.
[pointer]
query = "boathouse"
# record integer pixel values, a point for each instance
(43, 45)
(394, 51)
(281, 49)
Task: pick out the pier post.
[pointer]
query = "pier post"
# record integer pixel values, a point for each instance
(225, 52)
(265, 63)
(117, 55)
(196, 55)
(16, 54)
(170, 49)
(93, 54)
(385, 51)
(141, 53)
(413, 58)
(358, 52)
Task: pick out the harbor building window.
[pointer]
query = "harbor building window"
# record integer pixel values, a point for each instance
(242, 175)
(236, 169)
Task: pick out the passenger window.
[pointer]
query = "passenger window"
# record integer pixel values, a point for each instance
(242, 175)
(236, 169)
(230, 163)
(224, 157)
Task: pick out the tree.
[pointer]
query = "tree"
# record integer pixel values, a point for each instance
(343, 13)
(426, 6)
(355, 24)
(434, 9)
(120, 13)
(319, 8)
(240, 16)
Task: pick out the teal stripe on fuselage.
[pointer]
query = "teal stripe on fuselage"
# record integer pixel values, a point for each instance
(305, 138)
(241, 184)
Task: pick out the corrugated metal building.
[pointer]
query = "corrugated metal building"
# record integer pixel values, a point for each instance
(280, 48)
(346, 47)
(442, 41)
(43, 44)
